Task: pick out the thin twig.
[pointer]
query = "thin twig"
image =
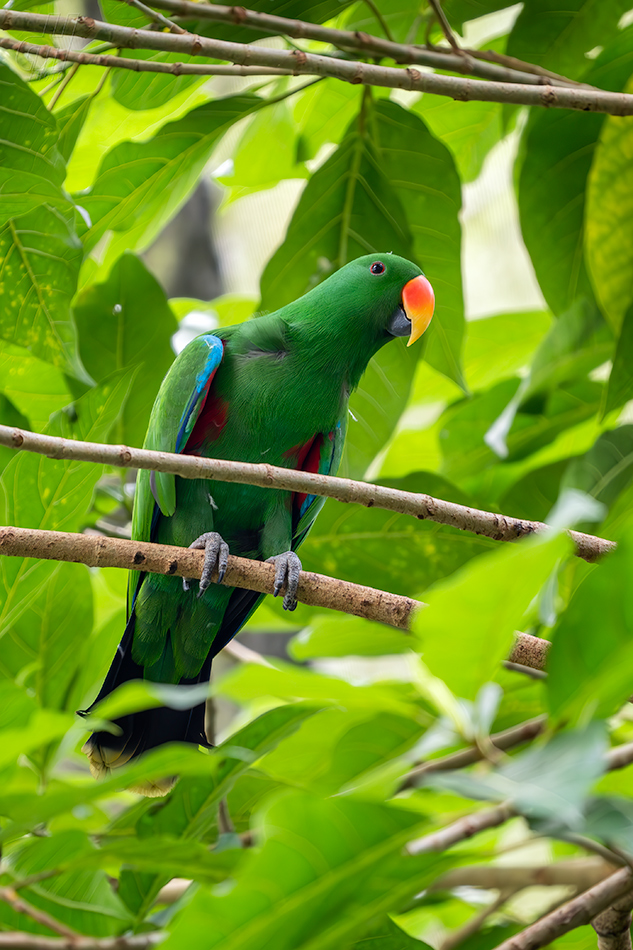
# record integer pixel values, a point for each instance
(348, 40)
(507, 739)
(613, 925)
(462, 829)
(575, 913)
(424, 507)
(153, 15)
(300, 63)
(20, 906)
(25, 941)
(82, 58)
(62, 85)
(472, 926)
(445, 26)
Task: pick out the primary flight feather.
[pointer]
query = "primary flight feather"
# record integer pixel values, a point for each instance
(274, 389)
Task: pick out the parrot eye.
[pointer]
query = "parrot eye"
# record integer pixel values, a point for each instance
(377, 267)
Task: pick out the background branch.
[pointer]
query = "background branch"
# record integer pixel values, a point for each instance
(575, 913)
(424, 507)
(613, 925)
(301, 63)
(25, 941)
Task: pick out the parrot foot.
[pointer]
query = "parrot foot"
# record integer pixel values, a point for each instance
(216, 554)
(287, 571)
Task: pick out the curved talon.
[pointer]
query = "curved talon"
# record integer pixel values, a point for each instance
(287, 570)
(216, 554)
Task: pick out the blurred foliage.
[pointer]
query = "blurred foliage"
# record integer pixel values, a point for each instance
(508, 412)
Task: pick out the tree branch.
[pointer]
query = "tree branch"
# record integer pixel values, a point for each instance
(613, 926)
(24, 941)
(424, 507)
(575, 913)
(301, 63)
(580, 872)
(462, 829)
(316, 590)
(82, 58)
(20, 906)
(348, 40)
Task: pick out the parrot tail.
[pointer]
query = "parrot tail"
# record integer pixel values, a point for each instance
(138, 732)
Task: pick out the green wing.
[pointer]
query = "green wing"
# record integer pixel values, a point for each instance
(180, 399)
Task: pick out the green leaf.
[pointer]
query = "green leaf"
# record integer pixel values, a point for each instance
(576, 343)
(475, 613)
(256, 163)
(286, 682)
(469, 130)
(386, 935)
(588, 672)
(126, 324)
(377, 405)
(159, 174)
(423, 176)
(70, 122)
(386, 550)
(347, 209)
(191, 809)
(606, 470)
(550, 782)
(557, 152)
(330, 866)
(343, 635)
(609, 244)
(322, 113)
(620, 388)
(31, 167)
(559, 38)
(40, 256)
(340, 749)
(610, 819)
(147, 90)
(36, 492)
(35, 388)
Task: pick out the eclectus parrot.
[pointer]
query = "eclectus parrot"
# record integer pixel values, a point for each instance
(274, 389)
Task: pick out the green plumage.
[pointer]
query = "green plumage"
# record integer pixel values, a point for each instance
(279, 395)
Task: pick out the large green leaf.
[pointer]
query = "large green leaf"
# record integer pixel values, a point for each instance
(31, 167)
(148, 90)
(469, 130)
(344, 635)
(341, 749)
(377, 405)
(609, 242)
(40, 256)
(590, 660)
(35, 388)
(191, 811)
(557, 152)
(126, 324)
(141, 185)
(474, 614)
(347, 209)
(549, 782)
(387, 550)
(326, 868)
(36, 492)
(558, 38)
(423, 175)
(620, 388)
(386, 935)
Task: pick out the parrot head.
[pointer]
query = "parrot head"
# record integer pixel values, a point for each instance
(371, 300)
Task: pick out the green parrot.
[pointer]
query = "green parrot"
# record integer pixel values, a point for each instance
(274, 389)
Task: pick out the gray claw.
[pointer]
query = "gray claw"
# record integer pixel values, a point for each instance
(216, 554)
(287, 571)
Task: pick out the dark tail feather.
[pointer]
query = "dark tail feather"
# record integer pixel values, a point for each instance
(145, 730)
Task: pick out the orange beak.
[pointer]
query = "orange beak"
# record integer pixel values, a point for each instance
(418, 301)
